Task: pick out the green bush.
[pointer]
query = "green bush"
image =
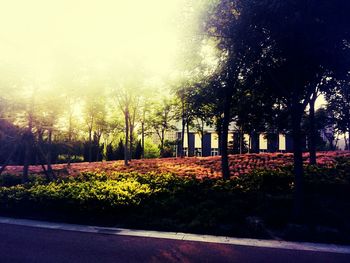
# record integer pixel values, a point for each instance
(272, 181)
(343, 168)
(7, 180)
(90, 194)
(10, 180)
(170, 202)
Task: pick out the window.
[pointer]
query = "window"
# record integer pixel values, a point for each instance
(198, 151)
(281, 142)
(262, 143)
(214, 151)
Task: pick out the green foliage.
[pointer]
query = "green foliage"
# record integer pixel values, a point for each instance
(95, 193)
(168, 149)
(9, 180)
(151, 149)
(276, 181)
(171, 202)
(101, 191)
(343, 167)
(115, 153)
(137, 153)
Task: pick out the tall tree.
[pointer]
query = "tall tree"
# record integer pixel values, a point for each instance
(94, 111)
(128, 96)
(339, 107)
(223, 23)
(301, 38)
(284, 47)
(161, 120)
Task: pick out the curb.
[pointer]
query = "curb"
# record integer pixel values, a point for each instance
(316, 247)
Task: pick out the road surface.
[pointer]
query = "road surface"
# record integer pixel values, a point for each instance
(34, 244)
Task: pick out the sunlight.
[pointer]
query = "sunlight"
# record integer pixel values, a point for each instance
(42, 36)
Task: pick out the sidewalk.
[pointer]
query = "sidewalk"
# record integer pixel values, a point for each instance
(303, 246)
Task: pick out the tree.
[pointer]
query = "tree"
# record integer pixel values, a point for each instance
(224, 24)
(339, 107)
(71, 101)
(321, 84)
(151, 149)
(190, 68)
(322, 121)
(301, 41)
(120, 151)
(128, 96)
(46, 116)
(161, 119)
(284, 47)
(95, 112)
(110, 152)
(137, 154)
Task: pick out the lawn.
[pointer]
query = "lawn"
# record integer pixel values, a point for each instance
(256, 204)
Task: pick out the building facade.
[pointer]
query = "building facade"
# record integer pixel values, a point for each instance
(209, 145)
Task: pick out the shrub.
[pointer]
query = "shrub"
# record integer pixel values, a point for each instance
(181, 203)
(91, 194)
(276, 181)
(7, 180)
(10, 180)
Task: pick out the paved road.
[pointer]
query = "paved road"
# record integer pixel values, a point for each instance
(31, 244)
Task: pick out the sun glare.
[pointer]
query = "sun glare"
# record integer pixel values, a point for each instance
(42, 37)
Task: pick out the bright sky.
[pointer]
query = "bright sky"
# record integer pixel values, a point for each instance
(41, 37)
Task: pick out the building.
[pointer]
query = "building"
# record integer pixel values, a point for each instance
(195, 145)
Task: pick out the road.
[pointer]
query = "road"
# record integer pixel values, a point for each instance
(32, 244)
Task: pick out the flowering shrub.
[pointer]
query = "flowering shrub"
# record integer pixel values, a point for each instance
(201, 167)
(183, 203)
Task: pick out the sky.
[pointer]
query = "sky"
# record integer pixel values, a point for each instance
(43, 39)
(43, 42)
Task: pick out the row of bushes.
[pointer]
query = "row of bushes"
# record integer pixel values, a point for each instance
(102, 191)
(170, 202)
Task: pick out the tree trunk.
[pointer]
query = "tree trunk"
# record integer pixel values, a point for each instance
(69, 140)
(49, 154)
(27, 154)
(298, 164)
(90, 145)
(189, 152)
(162, 135)
(254, 142)
(181, 150)
(219, 132)
(223, 140)
(346, 142)
(43, 161)
(241, 139)
(126, 146)
(143, 139)
(7, 161)
(98, 139)
(28, 140)
(313, 134)
(202, 138)
(349, 137)
(40, 140)
(249, 143)
(131, 142)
